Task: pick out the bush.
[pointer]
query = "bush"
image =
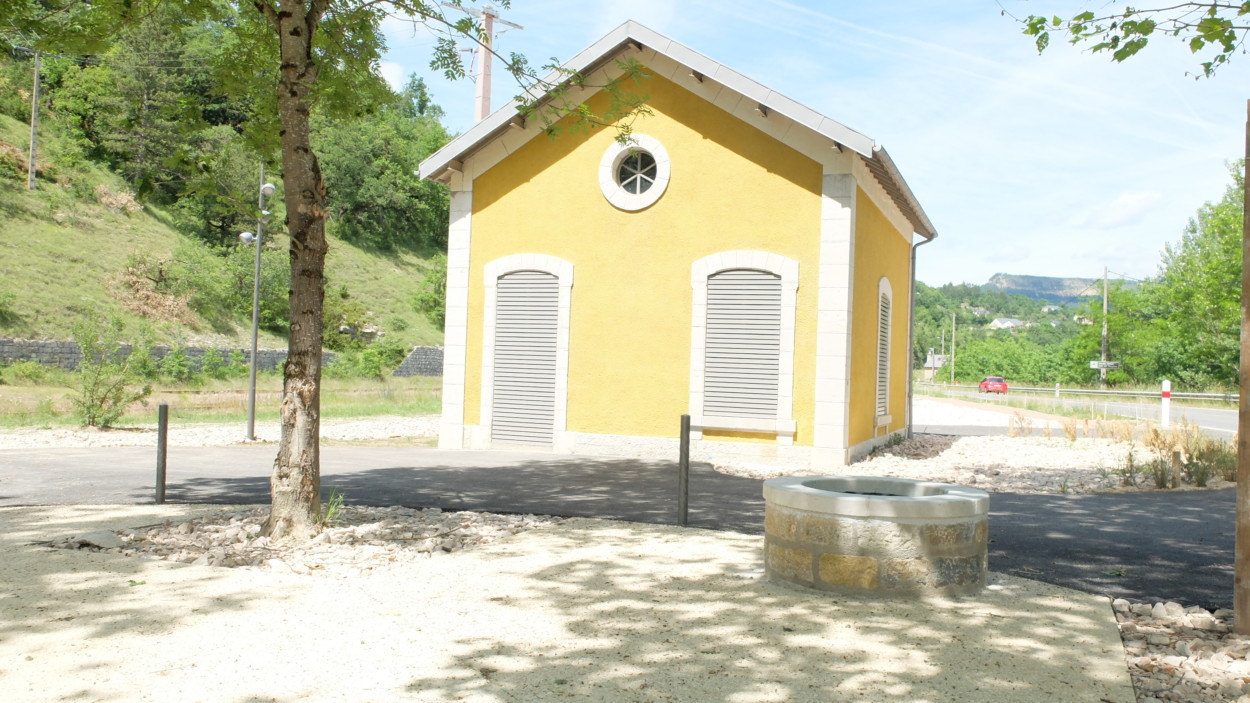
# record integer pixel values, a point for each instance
(109, 378)
(175, 365)
(375, 361)
(32, 373)
(8, 311)
(432, 300)
(218, 367)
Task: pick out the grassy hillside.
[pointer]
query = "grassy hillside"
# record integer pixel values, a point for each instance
(62, 252)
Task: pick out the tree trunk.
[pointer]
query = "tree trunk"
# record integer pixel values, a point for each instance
(1241, 550)
(296, 480)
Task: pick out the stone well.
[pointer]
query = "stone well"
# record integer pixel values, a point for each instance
(867, 535)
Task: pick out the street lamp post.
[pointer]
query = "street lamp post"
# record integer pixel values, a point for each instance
(266, 189)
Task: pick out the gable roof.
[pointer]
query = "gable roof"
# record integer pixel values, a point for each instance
(873, 155)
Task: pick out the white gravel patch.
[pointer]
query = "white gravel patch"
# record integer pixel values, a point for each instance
(218, 434)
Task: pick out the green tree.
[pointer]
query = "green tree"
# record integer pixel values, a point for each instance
(1198, 292)
(376, 199)
(292, 58)
(1216, 29)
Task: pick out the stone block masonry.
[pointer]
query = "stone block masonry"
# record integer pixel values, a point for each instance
(421, 361)
(885, 557)
(66, 355)
(876, 536)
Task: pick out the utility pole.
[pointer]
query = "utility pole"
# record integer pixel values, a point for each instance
(952, 349)
(1102, 372)
(489, 15)
(34, 128)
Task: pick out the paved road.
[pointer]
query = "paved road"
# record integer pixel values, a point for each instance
(1145, 545)
(1220, 423)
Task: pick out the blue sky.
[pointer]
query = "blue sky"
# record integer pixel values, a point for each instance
(1052, 165)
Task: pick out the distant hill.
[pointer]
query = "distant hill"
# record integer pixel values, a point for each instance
(1049, 288)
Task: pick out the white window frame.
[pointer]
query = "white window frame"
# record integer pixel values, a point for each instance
(885, 343)
(563, 271)
(783, 426)
(610, 164)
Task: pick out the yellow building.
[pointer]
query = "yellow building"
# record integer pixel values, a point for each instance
(744, 260)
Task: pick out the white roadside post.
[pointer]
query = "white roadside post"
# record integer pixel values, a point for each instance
(1167, 403)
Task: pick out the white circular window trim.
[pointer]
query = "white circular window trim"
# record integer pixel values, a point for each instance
(610, 164)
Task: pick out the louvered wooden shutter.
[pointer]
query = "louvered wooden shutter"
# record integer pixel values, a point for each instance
(883, 356)
(526, 315)
(743, 344)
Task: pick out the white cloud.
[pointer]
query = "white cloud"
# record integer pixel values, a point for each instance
(1009, 254)
(1128, 209)
(394, 74)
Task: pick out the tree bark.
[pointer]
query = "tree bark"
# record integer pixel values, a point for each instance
(296, 480)
(1241, 558)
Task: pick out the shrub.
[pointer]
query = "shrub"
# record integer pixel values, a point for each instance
(219, 367)
(176, 366)
(32, 373)
(375, 361)
(109, 378)
(8, 311)
(432, 300)
(1213, 457)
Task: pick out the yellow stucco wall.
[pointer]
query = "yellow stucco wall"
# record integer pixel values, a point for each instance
(879, 251)
(732, 187)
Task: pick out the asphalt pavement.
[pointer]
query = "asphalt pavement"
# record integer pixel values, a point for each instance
(1145, 546)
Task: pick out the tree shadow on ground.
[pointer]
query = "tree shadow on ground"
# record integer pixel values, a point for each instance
(665, 615)
(64, 606)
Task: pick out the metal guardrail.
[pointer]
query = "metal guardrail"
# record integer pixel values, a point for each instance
(1058, 391)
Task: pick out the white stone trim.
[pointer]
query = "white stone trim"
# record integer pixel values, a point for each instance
(563, 271)
(833, 316)
(611, 162)
(721, 452)
(866, 447)
(456, 321)
(778, 265)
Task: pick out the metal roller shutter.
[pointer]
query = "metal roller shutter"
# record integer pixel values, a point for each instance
(526, 314)
(743, 344)
(883, 356)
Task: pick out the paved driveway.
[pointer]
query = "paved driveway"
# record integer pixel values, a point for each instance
(1150, 546)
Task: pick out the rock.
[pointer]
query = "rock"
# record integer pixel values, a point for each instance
(279, 566)
(185, 528)
(1158, 639)
(1120, 605)
(99, 540)
(1159, 612)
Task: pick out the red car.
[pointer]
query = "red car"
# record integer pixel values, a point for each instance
(993, 384)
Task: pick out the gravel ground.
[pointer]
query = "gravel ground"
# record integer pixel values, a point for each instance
(1173, 653)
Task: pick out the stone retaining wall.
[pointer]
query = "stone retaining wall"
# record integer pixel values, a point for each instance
(421, 361)
(66, 355)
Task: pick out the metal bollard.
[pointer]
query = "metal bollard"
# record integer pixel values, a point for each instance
(683, 472)
(162, 433)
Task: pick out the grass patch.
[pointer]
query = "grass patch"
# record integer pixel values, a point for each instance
(226, 401)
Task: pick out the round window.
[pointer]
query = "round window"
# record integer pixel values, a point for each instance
(637, 172)
(632, 176)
